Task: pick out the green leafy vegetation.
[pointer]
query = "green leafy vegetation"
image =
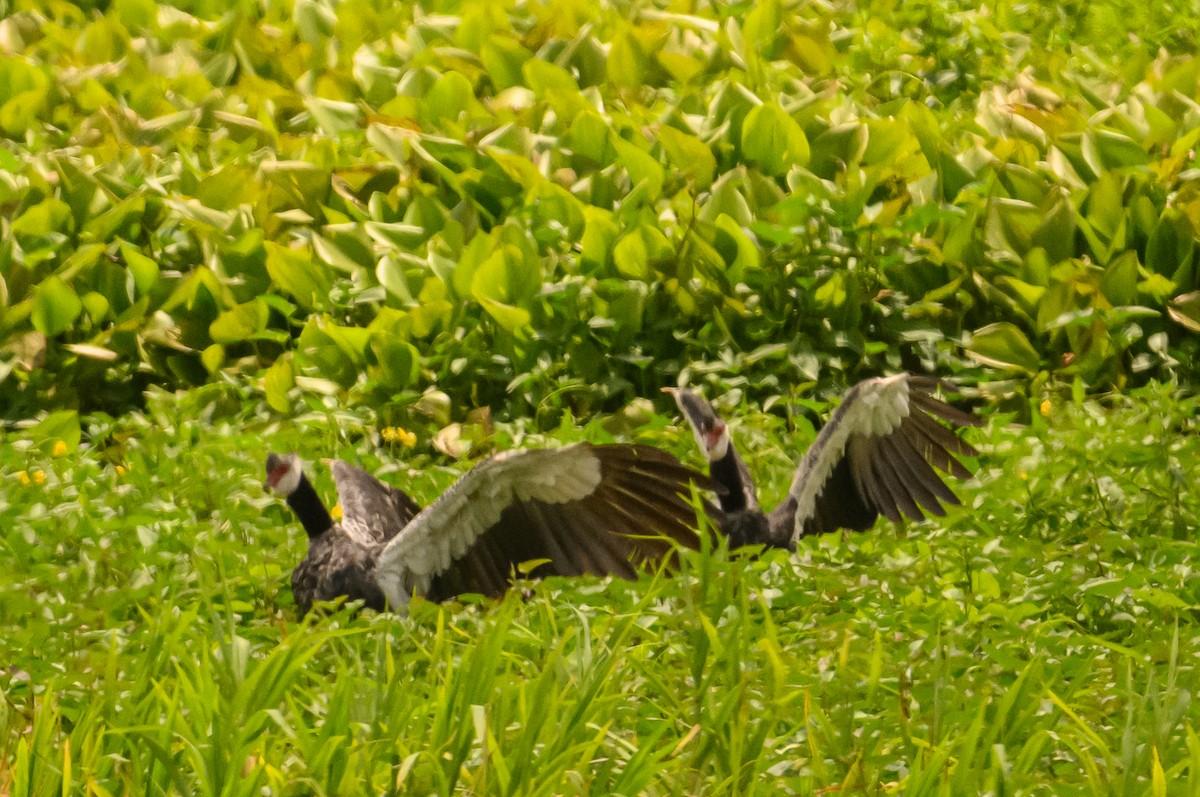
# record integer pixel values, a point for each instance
(410, 234)
(360, 198)
(1043, 639)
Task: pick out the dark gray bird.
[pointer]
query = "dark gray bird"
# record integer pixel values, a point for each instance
(876, 456)
(583, 508)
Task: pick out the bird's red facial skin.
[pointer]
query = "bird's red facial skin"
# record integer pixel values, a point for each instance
(714, 435)
(276, 474)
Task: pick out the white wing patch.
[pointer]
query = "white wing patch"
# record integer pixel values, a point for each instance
(448, 528)
(873, 408)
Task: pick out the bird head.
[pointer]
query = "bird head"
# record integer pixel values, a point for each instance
(283, 474)
(709, 429)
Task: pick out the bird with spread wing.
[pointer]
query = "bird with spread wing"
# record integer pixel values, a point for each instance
(879, 454)
(582, 508)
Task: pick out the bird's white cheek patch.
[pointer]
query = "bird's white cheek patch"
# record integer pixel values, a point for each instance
(286, 484)
(717, 446)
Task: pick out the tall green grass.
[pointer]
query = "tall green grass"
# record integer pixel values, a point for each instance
(1042, 640)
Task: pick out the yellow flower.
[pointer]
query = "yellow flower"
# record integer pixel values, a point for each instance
(23, 477)
(336, 512)
(1046, 408)
(39, 477)
(60, 448)
(395, 434)
(122, 470)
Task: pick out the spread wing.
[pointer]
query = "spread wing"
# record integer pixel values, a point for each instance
(583, 508)
(372, 512)
(877, 456)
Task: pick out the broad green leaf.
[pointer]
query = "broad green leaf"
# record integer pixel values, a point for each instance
(1108, 149)
(398, 360)
(504, 57)
(744, 256)
(121, 220)
(599, 234)
(58, 433)
(590, 137)
(55, 307)
(143, 270)
(506, 315)
(212, 358)
(690, 155)
(637, 253)
(277, 382)
(626, 61)
(240, 323)
(773, 140)
(96, 305)
(641, 165)
(1120, 279)
(295, 272)
(329, 356)
(1002, 345)
(1011, 226)
(1171, 244)
(1185, 310)
(450, 97)
(390, 273)
(728, 198)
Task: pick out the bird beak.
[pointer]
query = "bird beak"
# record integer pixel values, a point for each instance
(671, 390)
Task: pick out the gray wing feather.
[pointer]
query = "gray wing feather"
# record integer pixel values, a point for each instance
(584, 508)
(372, 512)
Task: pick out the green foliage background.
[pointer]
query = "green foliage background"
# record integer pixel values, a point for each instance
(482, 221)
(570, 202)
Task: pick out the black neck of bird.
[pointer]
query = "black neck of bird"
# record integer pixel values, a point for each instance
(307, 505)
(728, 473)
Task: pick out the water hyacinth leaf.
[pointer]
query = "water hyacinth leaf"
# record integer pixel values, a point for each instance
(320, 354)
(1172, 243)
(739, 252)
(508, 316)
(294, 271)
(589, 138)
(58, 430)
(55, 307)
(143, 271)
(1185, 310)
(450, 96)
(1003, 345)
(396, 234)
(398, 360)
(1107, 149)
(1119, 283)
(278, 382)
(599, 233)
(642, 167)
(727, 198)
(240, 323)
(122, 219)
(96, 305)
(627, 62)
(773, 140)
(636, 253)
(503, 57)
(212, 358)
(390, 273)
(690, 155)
